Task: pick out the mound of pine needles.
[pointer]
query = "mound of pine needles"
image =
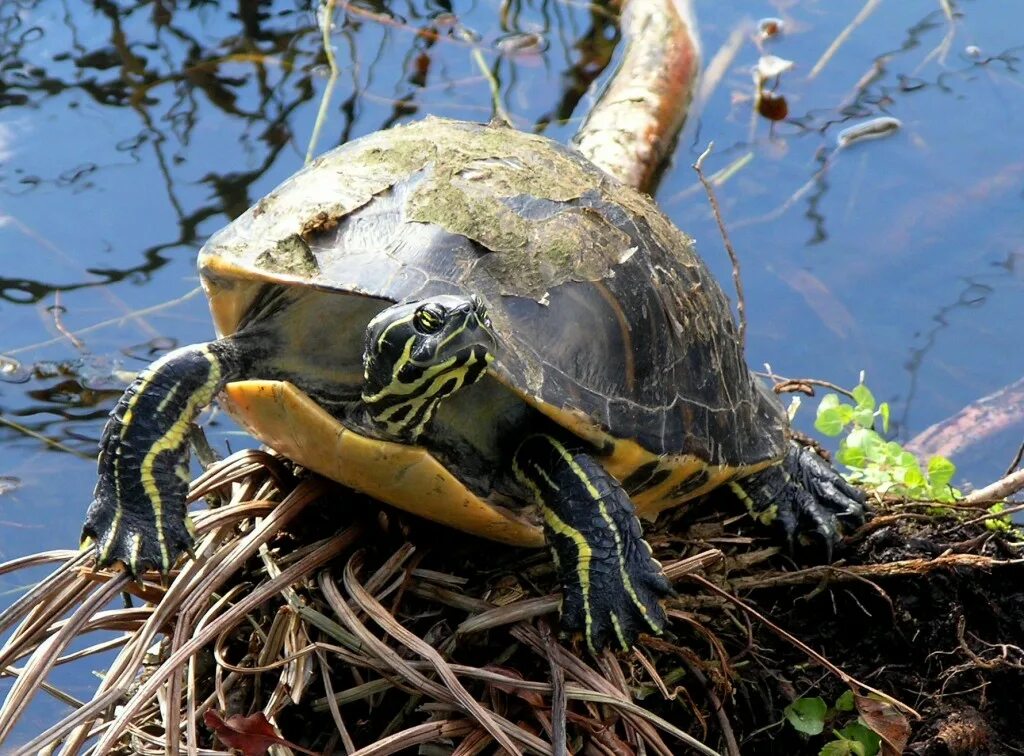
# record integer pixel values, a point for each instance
(312, 620)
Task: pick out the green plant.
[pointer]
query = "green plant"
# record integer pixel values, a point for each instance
(875, 463)
(1001, 524)
(809, 715)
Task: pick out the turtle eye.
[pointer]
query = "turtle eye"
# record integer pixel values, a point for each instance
(428, 318)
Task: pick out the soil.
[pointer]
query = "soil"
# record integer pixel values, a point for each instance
(947, 642)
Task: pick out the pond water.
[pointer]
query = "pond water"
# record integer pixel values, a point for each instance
(130, 131)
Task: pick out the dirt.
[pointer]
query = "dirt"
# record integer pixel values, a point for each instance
(947, 642)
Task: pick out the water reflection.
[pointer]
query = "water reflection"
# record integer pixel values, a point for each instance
(131, 131)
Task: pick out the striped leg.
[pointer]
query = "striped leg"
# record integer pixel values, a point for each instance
(612, 587)
(137, 516)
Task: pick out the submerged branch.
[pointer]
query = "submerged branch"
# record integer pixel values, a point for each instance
(633, 125)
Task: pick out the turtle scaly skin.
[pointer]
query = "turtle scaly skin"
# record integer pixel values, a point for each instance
(480, 327)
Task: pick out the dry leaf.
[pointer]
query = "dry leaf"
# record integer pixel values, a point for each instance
(252, 735)
(890, 725)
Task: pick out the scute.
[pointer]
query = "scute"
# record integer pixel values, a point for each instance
(603, 306)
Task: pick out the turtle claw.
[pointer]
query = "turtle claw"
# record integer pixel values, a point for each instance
(806, 497)
(138, 543)
(617, 608)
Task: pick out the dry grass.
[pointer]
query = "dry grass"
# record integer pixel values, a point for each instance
(260, 621)
(312, 605)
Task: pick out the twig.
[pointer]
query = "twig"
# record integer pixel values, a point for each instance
(810, 652)
(942, 49)
(736, 279)
(1002, 488)
(57, 310)
(718, 178)
(988, 516)
(1016, 460)
(860, 18)
(71, 260)
(802, 385)
(863, 571)
(109, 322)
(326, 18)
(558, 702)
(732, 747)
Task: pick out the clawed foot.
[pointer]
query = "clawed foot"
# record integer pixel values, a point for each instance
(613, 586)
(616, 599)
(138, 541)
(804, 494)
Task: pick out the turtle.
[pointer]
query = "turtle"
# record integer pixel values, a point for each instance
(479, 326)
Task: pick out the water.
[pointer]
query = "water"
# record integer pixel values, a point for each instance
(130, 132)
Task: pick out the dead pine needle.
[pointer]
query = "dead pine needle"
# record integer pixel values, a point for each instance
(737, 280)
(355, 635)
(860, 18)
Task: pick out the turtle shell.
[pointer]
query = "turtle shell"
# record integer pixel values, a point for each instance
(610, 323)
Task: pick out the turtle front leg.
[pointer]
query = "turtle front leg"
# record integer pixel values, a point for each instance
(803, 494)
(137, 516)
(611, 585)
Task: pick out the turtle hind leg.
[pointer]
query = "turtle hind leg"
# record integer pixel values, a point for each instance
(803, 494)
(612, 587)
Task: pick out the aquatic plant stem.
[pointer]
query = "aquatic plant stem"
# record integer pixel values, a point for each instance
(492, 81)
(860, 18)
(633, 125)
(326, 16)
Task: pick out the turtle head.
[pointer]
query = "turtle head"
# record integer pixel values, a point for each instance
(417, 354)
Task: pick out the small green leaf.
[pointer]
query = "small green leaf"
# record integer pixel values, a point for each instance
(842, 748)
(807, 715)
(857, 438)
(940, 471)
(864, 398)
(864, 736)
(845, 702)
(883, 412)
(829, 422)
(873, 445)
(998, 524)
(829, 401)
(850, 456)
(864, 417)
(913, 477)
(908, 460)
